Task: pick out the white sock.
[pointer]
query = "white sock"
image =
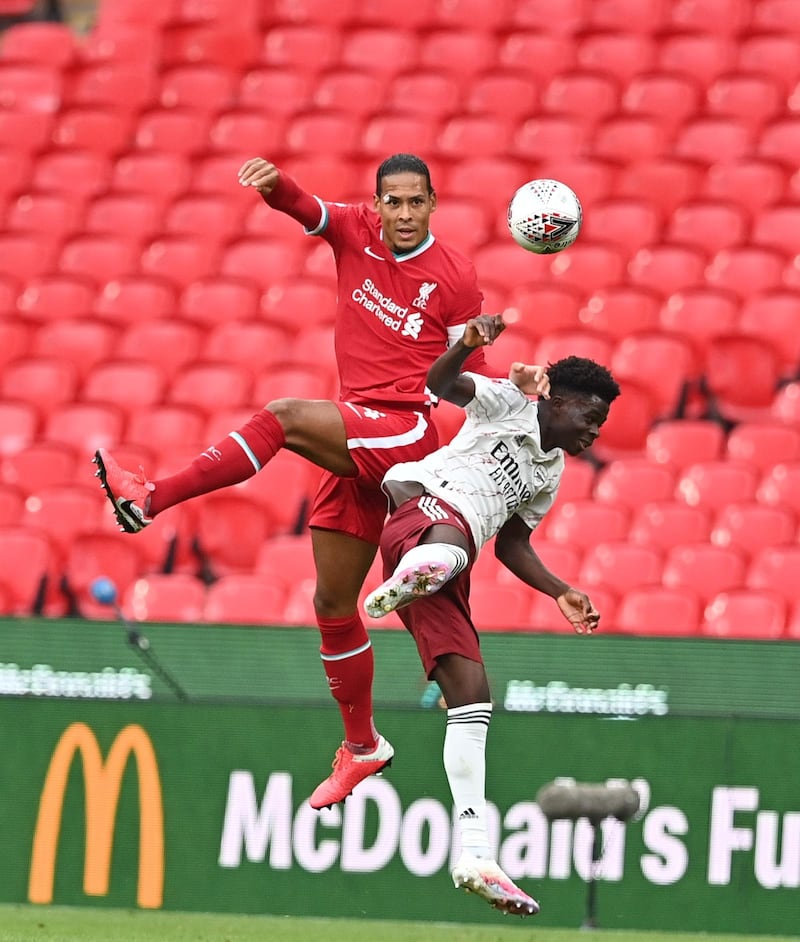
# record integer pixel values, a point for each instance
(465, 766)
(452, 556)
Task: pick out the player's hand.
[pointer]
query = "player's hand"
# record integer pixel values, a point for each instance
(483, 330)
(577, 608)
(532, 380)
(259, 173)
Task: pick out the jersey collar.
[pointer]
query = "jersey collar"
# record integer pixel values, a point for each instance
(426, 243)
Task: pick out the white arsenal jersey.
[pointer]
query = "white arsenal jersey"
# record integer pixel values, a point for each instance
(495, 466)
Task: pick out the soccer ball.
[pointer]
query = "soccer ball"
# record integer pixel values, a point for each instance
(544, 216)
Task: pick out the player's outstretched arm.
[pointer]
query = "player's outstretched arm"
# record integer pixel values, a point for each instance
(444, 377)
(281, 192)
(532, 380)
(259, 173)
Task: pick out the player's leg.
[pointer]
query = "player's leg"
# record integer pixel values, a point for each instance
(312, 428)
(465, 689)
(440, 555)
(342, 561)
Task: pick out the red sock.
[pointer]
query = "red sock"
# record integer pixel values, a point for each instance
(348, 661)
(237, 457)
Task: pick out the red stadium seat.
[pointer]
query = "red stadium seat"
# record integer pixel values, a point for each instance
(624, 433)
(24, 131)
(102, 257)
(763, 445)
(714, 140)
(178, 597)
(574, 343)
(27, 255)
(620, 54)
(745, 270)
(286, 560)
(700, 315)
(658, 611)
(549, 134)
(778, 140)
(130, 85)
(43, 382)
(217, 300)
(786, 404)
(161, 427)
(40, 465)
(211, 387)
(776, 55)
(85, 426)
(700, 56)
(352, 90)
(192, 214)
(245, 599)
(665, 181)
(94, 130)
(63, 512)
(752, 99)
(306, 49)
(501, 608)
(294, 381)
(27, 563)
(776, 228)
(172, 131)
(667, 268)
(588, 266)
(684, 442)
(92, 555)
(749, 182)
(289, 304)
(261, 261)
(255, 346)
(735, 356)
(658, 362)
(19, 423)
(669, 98)
(462, 224)
(180, 259)
(773, 317)
(625, 138)
(128, 384)
(550, 308)
(745, 614)
(453, 14)
(221, 44)
(387, 133)
(704, 568)
(619, 566)
(776, 569)
(665, 524)
(752, 527)
(626, 224)
(631, 482)
(591, 177)
(216, 12)
(504, 263)
(135, 298)
(134, 216)
(15, 172)
(577, 481)
(708, 226)
(781, 486)
(504, 94)
(53, 43)
(29, 87)
(155, 174)
(390, 51)
(592, 96)
(713, 484)
(463, 52)
(53, 216)
(776, 16)
(231, 530)
(563, 560)
(477, 135)
(203, 88)
(237, 131)
(16, 338)
(83, 343)
(583, 523)
(537, 14)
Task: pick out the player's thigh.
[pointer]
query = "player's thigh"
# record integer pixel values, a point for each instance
(314, 429)
(342, 563)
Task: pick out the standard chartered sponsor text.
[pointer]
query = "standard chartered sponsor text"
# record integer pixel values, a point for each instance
(377, 303)
(42, 680)
(525, 696)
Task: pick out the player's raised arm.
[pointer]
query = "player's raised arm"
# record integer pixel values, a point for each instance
(445, 379)
(281, 192)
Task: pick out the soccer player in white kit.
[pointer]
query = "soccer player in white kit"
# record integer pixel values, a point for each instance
(499, 476)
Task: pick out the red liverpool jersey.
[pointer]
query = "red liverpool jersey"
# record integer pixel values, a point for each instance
(396, 313)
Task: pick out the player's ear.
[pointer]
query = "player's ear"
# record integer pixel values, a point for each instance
(433, 201)
(376, 202)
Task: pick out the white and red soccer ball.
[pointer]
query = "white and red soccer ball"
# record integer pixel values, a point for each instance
(544, 216)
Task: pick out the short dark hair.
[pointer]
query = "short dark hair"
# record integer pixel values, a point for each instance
(402, 163)
(581, 375)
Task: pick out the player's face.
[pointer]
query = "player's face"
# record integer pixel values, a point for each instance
(405, 206)
(577, 421)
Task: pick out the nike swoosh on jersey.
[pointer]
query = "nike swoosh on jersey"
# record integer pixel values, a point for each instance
(369, 252)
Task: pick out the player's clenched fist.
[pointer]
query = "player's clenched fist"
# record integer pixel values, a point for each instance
(260, 173)
(483, 330)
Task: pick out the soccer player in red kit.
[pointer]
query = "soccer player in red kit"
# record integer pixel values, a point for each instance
(403, 298)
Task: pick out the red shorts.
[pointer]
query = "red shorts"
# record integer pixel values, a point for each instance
(377, 439)
(441, 623)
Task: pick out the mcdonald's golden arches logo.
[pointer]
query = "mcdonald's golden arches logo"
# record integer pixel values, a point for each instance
(103, 781)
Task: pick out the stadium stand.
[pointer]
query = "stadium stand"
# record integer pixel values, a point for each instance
(675, 123)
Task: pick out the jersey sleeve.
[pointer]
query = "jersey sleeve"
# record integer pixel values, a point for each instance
(533, 512)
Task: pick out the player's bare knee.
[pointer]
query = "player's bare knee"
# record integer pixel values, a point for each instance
(287, 412)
